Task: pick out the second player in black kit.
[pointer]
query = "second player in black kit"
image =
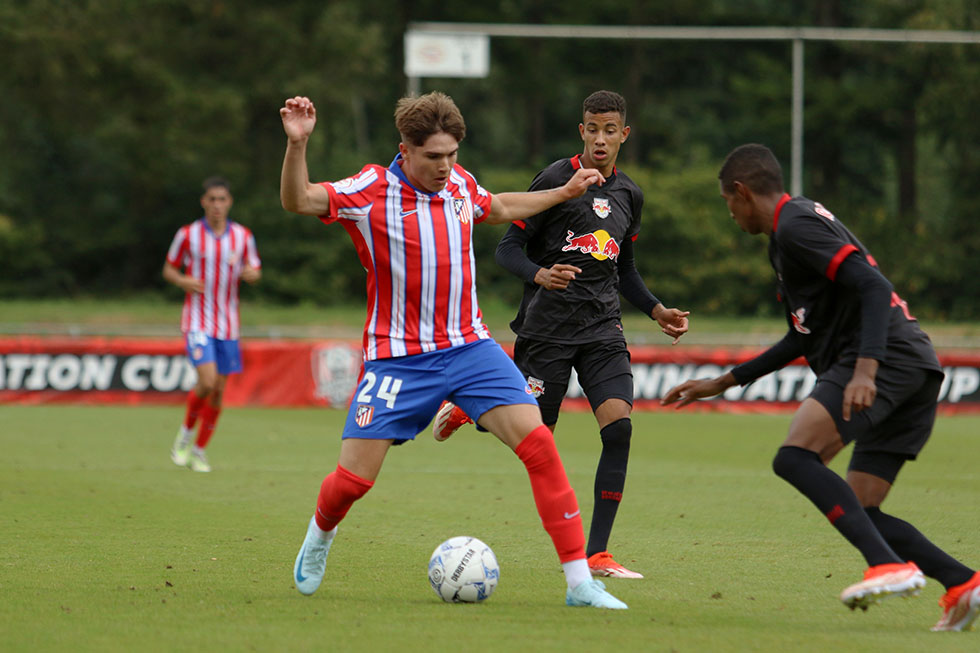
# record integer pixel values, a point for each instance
(579, 258)
(878, 380)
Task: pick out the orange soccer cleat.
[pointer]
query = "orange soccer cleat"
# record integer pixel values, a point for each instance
(882, 582)
(602, 564)
(961, 605)
(448, 420)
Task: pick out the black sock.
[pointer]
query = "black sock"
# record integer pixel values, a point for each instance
(610, 479)
(831, 494)
(912, 545)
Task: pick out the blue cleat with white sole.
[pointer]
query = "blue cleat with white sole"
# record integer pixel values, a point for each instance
(311, 561)
(592, 593)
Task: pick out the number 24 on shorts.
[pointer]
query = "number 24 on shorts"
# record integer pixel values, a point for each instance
(388, 390)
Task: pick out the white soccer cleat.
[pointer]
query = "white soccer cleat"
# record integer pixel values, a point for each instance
(199, 461)
(592, 593)
(311, 561)
(882, 582)
(448, 420)
(180, 453)
(961, 606)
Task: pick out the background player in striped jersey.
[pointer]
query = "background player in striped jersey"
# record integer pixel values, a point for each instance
(878, 379)
(578, 259)
(424, 341)
(206, 260)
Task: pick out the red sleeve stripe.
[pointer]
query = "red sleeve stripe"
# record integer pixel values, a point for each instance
(520, 223)
(839, 257)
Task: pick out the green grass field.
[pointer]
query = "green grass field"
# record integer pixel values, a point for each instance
(107, 546)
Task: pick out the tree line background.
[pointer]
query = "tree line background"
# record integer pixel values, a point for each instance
(112, 113)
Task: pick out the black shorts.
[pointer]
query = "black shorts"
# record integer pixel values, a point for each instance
(603, 369)
(900, 419)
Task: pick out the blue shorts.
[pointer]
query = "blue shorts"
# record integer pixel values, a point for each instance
(398, 397)
(202, 348)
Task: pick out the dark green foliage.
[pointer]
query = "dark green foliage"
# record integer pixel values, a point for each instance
(114, 111)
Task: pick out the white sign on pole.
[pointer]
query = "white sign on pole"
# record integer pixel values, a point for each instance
(441, 54)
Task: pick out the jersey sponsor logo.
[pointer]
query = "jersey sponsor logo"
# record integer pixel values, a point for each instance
(799, 316)
(461, 209)
(363, 415)
(820, 209)
(599, 244)
(535, 386)
(601, 207)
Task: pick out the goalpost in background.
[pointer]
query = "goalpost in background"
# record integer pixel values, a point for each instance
(463, 50)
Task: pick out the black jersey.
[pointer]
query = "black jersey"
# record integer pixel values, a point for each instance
(586, 232)
(807, 246)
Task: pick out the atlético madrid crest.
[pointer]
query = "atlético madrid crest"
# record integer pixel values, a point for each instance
(461, 209)
(363, 415)
(601, 206)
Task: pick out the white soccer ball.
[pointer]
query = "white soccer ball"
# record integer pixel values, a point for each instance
(463, 570)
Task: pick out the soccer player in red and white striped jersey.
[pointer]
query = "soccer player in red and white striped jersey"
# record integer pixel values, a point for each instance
(424, 340)
(207, 259)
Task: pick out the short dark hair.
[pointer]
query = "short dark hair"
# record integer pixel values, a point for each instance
(216, 182)
(605, 102)
(755, 166)
(417, 118)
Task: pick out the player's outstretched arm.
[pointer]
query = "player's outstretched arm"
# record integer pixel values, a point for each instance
(296, 192)
(690, 391)
(507, 207)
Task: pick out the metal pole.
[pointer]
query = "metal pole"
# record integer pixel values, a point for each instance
(796, 148)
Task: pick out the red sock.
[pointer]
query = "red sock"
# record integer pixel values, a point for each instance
(339, 491)
(209, 419)
(194, 405)
(553, 495)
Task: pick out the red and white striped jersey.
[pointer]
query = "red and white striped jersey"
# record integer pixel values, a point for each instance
(417, 249)
(218, 261)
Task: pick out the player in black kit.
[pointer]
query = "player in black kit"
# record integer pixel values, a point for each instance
(878, 380)
(579, 258)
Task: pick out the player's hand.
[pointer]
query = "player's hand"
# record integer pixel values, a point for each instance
(298, 118)
(190, 284)
(860, 391)
(672, 321)
(691, 391)
(250, 274)
(557, 277)
(581, 180)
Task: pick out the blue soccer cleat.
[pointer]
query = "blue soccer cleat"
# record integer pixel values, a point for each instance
(312, 559)
(593, 593)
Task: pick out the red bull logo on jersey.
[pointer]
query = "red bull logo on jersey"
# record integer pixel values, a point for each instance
(461, 209)
(799, 316)
(601, 207)
(598, 243)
